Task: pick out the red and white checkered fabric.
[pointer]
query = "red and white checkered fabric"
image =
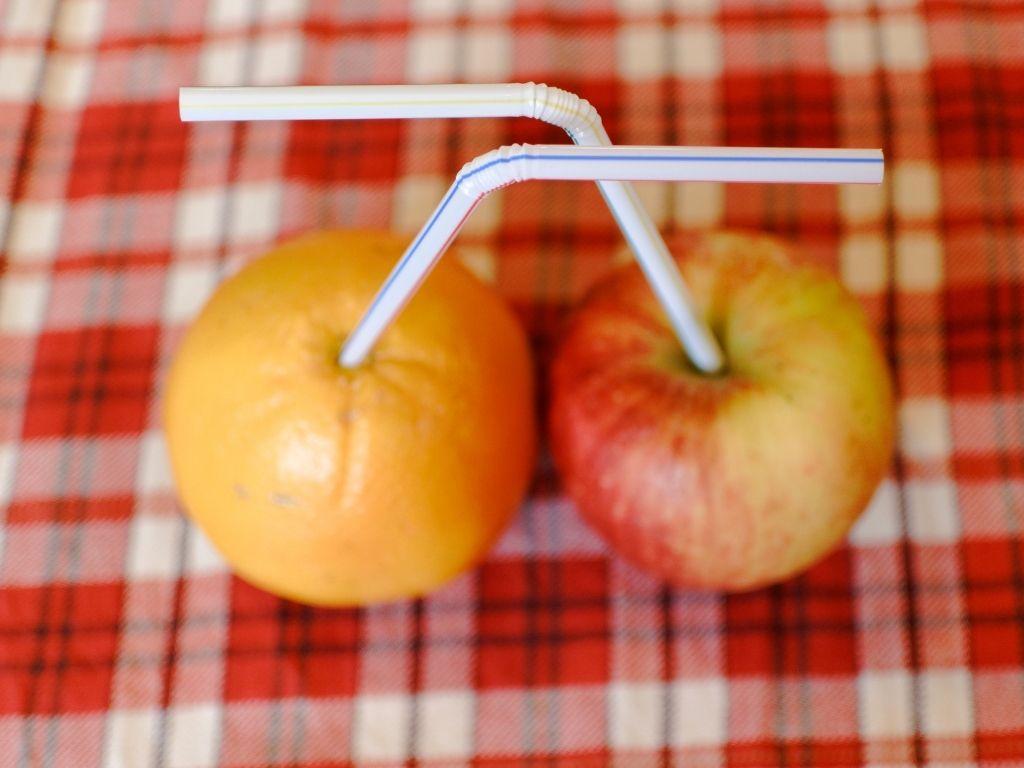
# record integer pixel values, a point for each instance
(124, 641)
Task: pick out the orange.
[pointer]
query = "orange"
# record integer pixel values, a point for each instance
(341, 486)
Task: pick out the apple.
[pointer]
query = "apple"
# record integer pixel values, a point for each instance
(742, 478)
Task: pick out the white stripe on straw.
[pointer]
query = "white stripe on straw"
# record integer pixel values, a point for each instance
(552, 105)
(508, 165)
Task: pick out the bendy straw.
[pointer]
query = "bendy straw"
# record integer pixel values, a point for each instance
(552, 105)
(515, 163)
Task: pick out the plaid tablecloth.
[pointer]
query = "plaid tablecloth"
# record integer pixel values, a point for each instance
(124, 641)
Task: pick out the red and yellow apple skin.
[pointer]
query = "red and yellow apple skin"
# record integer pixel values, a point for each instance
(731, 481)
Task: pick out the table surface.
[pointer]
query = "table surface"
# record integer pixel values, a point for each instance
(124, 641)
